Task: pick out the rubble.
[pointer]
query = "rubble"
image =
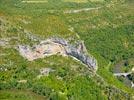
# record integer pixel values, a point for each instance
(22, 81)
(31, 36)
(45, 72)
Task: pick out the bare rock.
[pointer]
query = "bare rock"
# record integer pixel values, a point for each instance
(60, 46)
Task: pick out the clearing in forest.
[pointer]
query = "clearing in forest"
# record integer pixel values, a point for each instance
(34, 1)
(76, 1)
(96, 0)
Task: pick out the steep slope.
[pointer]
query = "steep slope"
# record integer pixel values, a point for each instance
(106, 28)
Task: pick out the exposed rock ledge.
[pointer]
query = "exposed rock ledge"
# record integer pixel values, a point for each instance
(60, 46)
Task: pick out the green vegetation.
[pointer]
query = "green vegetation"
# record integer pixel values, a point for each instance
(108, 33)
(19, 95)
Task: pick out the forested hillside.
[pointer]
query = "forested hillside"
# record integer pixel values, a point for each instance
(92, 60)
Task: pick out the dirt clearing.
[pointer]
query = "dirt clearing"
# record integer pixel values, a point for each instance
(76, 1)
(33, 1)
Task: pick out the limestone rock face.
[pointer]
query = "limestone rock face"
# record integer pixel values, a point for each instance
(60, 41)
(60, 46)
(89, 61)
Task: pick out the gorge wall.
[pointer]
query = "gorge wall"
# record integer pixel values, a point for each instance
(59, 46)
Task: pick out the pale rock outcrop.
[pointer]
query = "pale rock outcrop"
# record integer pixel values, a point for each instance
(59, 46)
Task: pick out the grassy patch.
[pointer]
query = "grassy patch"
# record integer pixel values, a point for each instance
(19, 95)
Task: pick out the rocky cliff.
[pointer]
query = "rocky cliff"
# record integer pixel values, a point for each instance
(60, 46)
